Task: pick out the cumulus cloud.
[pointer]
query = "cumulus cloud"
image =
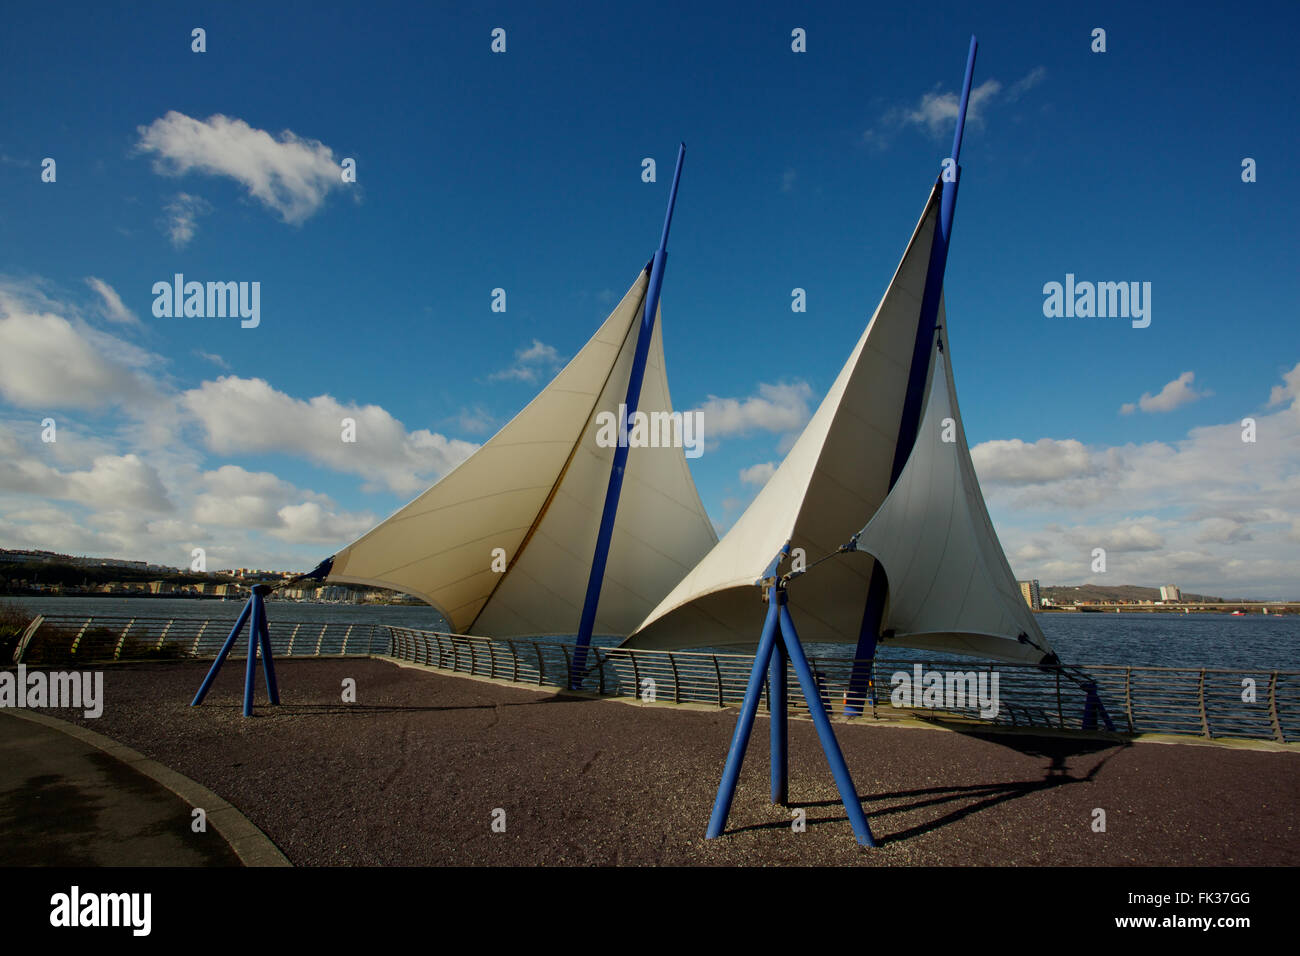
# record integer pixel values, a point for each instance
(238, 498)
(114, 481)
(249, 415)
(49, 361)
(1138, 534)
(1210, 512)
(758, 474)
(1288, 390)
(530, 363)
(1014, 462)
(776, 408)
(290, 175)
(311, 522)
(1175, 394)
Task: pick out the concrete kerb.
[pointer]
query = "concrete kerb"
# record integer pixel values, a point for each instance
(251, 845)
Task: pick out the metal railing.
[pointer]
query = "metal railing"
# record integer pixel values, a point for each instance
(78, 638)
(1207, 702)
(1260, 704)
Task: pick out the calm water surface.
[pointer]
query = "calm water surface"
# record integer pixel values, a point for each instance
(1164, 640)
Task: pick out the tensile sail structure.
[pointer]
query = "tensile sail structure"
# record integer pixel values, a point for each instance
(873, 528)
(551, 528)
(949, 586)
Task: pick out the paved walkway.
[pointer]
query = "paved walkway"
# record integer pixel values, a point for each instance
(70, 799)
(417, 771)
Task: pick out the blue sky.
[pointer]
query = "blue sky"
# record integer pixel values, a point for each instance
(522, 170)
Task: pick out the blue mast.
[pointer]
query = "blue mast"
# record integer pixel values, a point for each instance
(588, 622)
(911, 419)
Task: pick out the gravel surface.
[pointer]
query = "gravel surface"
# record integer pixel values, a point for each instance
(411, 775)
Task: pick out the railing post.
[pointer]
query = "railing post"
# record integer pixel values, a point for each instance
(1272, 709)
(194, 651)
(492, 660)
(121, 641)
(1128, 697)
(541, 665)
(163, 636)
(717, 670)
(1205, 717)
(76, 641)
(677, 694)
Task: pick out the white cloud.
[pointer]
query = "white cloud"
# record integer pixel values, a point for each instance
(1289, 389)
(112, 480)
(310, 522)
(182, 219)
(1177, 393)
(48, 361)
(758, 474)
(936, 111)
(476, 421)
(291, 175)
(238, 498)
(1014, 462)
(215, 359)
(1209, 512)
(530, 363)
(249, 415)
(776, 408)
(1134, 534)
(113, 309)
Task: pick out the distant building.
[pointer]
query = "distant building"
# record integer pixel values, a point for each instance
(1029, 589)
(1170, 593)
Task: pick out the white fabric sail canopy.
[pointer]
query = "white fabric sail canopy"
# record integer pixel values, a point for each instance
(831, 484)
(535, 490)
(950, 586)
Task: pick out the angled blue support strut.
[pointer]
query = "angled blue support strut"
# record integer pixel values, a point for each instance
(599, 558)
(922, 349)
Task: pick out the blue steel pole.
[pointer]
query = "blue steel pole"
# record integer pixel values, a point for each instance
(268, 662)
(221, 656)
(251, 669)
(910, 421)
(777, 701)
(587, 623)
(745, 723)
(834, 756)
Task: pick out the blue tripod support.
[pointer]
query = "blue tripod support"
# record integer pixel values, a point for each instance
(779, 642)
(259, 635)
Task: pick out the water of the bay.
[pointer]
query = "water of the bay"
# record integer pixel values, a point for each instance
(1254, 641)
